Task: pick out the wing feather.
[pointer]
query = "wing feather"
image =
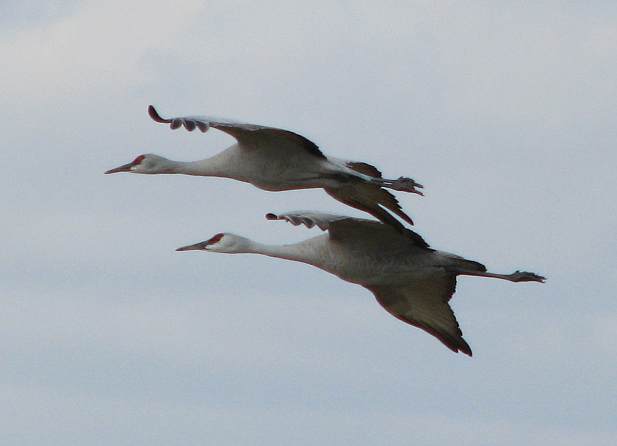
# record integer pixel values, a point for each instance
(309, 218)
(423, 303)
(365, 168)
(243, 132)
(341, 227)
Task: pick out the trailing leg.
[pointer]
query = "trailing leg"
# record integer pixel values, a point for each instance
(517, 276)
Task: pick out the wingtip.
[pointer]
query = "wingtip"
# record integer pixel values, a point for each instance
(466, 349)
(403, 215)
(457, 345)
(394, 206)
(155, 115)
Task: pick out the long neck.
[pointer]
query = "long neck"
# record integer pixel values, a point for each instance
(204, 168)
(298, 252)
(210, 167)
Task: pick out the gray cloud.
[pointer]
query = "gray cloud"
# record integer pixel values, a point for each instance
(21, 16)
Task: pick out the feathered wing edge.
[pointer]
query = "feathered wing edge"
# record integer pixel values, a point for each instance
(240, 131)
(338, 224)
(308, 218)
(433, 316)
(425, 304)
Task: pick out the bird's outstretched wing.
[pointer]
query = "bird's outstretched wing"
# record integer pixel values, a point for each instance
(420, 302)
(311, 218)
(249, 134)
(424, 304)
(342, 228)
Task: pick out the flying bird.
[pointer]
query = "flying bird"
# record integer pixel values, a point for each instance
(412, 281)
(275, 160)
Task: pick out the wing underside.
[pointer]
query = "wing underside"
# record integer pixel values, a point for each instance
(424, 304)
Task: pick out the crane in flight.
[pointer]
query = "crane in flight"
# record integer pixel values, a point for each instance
(410, 280)
(274, 159)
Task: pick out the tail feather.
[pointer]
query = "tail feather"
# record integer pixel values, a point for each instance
(470, 265)
(365, 168)
(479, 265)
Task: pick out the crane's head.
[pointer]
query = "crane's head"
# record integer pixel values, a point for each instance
(148, 164)
(222, 242)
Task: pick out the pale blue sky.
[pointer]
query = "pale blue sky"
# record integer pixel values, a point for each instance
(506, 113)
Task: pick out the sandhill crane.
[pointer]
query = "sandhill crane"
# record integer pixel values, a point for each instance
(275, 160)
(409, 279)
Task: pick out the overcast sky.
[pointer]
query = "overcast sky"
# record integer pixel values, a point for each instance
(506, 113)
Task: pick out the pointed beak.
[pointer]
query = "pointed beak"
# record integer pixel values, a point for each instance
(123, 168)
(196, 247)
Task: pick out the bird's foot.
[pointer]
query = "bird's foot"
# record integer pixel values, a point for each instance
(525, 276)
(405, 184)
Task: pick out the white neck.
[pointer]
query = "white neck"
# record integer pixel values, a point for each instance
(209, 167)
(298, 252)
